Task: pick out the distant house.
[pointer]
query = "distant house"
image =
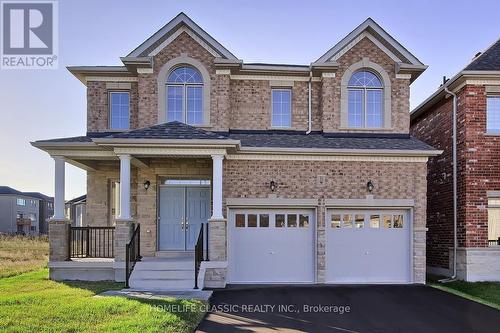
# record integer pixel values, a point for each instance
(75, 210)
(46, 210)
(24, 213)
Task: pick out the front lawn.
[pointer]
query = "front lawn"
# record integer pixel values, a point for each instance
(483, 292)
(19, 254)
(31, 303)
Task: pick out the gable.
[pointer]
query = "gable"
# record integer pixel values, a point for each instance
(371, 30)
(169, 32)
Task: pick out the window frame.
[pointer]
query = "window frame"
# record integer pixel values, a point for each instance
(110, 111)
(364, 90)
(185, 86)
(492, 131)
(19, 200)
(278, 88)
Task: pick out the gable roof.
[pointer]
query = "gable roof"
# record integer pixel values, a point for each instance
(38, 195)
(489, 60)
(9, 190)
(487, 64)
(170, 28)
(380, 37)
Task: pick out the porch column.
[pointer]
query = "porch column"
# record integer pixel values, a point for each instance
(124, 187)
(59, 175)
(217, 187)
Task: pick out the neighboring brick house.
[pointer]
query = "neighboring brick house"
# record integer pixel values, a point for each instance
(477, 88)
(300, 173)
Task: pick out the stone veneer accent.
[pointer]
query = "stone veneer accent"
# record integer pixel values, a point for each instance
(58, 240)
(477, 264)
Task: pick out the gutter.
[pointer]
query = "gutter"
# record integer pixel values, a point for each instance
(309, 103)
(454, 144)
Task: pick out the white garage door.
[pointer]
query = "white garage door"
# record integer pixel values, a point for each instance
(271, 246)
(368, 246)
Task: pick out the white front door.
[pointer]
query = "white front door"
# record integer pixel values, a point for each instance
(182, 211)
(368, 246)
(271, 246)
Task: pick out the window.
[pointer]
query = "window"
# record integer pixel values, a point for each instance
(252, 220)
(493, 220)
(240, 220)
(292, 220)
(280, 221)
(493, 114)
(346, 221)
(21, 202)
(303, 221)
(282, 108)
(185, 96)
(398, 221)
(264, 220)
(365, 98)
(335, 221)
(387, 221)
(32, 217)
(374, 221)
(119, 107)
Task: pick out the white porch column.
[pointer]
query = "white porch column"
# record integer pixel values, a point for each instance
(217, 187)
(124, 187)
(59, 175)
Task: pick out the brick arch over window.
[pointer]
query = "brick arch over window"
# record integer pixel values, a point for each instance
(162, 82)
(365, 64)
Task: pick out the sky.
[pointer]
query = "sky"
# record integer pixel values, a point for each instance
(42, 104)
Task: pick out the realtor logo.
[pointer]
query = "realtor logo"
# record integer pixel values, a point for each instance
(29, 34)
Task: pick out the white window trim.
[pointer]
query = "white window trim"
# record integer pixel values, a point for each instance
(344, 94)
(184, 87)
(162, 87)
(284, 88)
(111, 91)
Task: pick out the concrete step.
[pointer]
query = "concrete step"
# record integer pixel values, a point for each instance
(164, 264)
(175, 254)
(163, 274)
(162, 284)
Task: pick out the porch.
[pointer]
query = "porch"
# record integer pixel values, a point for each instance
(130, 184)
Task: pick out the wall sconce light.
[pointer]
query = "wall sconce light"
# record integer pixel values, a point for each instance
(272, 186)
(370, 186)
(147, 184)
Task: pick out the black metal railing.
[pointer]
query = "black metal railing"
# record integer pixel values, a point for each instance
(91, 242)
(493, 242)
(132, 253)
(198, 256)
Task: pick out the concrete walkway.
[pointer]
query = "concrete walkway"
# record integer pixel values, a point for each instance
(202, 295)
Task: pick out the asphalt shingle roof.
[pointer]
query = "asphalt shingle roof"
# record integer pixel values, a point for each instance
(269, 139)
(328, 141)
(488, 61)
(171, 130)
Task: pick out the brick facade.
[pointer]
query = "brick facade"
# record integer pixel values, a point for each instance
(246, 103)
(478, 172)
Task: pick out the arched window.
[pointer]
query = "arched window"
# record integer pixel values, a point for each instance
(185, 96)
(365, 100)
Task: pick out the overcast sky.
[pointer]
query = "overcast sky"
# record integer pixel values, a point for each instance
(41, 104)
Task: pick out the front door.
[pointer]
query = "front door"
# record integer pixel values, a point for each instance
(182, 211)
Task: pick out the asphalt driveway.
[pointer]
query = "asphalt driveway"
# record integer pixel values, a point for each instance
(382, 308)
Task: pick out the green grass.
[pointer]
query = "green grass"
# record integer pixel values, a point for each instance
(19, 254)
(487, 293)
(30, 302)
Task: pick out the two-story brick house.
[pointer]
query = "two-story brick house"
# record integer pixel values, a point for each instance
(477, 105)
(300, 174)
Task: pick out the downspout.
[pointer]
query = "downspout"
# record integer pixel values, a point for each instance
(454, 144)
(309, 103)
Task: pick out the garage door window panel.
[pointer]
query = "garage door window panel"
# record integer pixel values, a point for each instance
(303, 221)
(240, 220)
(279, 220)
(264, 220)
(292, 221)
(374, 221)
(359, 221)
(387, 221)
(335, 221)
(398, 221)
(347, 221)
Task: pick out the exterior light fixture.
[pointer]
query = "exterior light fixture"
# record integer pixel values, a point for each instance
(272, 186)
(147, 184)
(370, 186)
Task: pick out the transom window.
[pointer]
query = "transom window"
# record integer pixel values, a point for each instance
(365, 98)
(282, 107)
(281, 220)
(493, 114)
(373, 220)
(185, 96)
(119, 110)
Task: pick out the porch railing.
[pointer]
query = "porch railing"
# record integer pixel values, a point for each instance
(91, 242)
(198, 256)
(494, 242)
(132, 253)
